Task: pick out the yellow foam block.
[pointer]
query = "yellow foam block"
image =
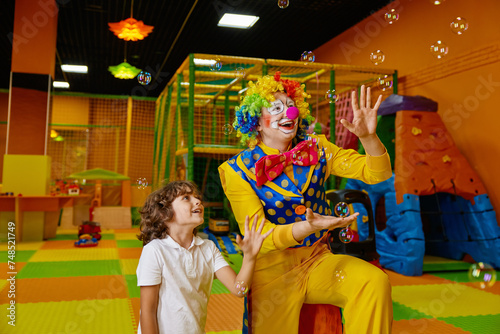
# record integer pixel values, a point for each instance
(107, 230)
(129, 266)
(26, 174)
(447, 300)
(126, 236)
(77, 254)
(84, 317)
(134, 230)
(22, 246)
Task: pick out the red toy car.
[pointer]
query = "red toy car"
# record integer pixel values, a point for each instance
(92, 228)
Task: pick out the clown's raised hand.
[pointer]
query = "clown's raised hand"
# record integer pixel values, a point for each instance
(364, 122)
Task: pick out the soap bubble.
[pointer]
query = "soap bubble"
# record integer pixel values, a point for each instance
(308, 56)
(240, 71)
(144, 78)
(331, 96)
(341, 209)
(227, 128)
(459, 25)
(482, 274)
(346, 235)
(216, 65)
(283, 4)
(345, 164)
(142, 183)
(391, 16)
(439, 49)
(340, 275)
(385, 82)
(377, 57)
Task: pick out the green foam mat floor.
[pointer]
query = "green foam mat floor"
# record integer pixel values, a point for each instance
(402, 312)
(134, 291)
(20, 256)
(478, 324)
(70, 268)
(129, 243)
(434, 263)
(218, 287)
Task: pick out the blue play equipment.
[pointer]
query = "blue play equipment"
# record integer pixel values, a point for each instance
(453, 227)
(433, 219)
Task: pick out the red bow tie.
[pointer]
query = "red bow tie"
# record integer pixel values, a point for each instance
(270, 167)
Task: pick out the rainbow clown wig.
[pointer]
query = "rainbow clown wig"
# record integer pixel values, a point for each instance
(259, 95)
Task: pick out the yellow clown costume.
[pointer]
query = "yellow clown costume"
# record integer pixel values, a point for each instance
(291, 272)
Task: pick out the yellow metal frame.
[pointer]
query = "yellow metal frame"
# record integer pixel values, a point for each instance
(206, 97)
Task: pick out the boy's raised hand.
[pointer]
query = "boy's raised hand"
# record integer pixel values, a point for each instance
(252, 242)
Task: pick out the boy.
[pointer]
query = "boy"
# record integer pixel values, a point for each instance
(176, 268)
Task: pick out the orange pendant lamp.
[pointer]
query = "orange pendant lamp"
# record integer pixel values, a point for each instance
(130, 29)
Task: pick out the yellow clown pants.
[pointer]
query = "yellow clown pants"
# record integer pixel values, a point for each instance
(286, 279)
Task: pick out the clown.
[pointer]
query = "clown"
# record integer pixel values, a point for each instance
(282, 177)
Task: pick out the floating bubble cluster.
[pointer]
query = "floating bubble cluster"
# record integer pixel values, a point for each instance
(340, 275)
(377, 57)
(483, 275)
(385, 82)
(346, 235)
(391, 16)
(331, 96)
(227, 128)
(240, 71)
(216, 66)
(341, 209)
(439, 49)
(142, 183)
(459, 25)
(308, 56)
(283, 4)
(144, 78)
(345, 164)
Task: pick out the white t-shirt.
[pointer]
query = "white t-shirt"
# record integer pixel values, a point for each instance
(185, 277)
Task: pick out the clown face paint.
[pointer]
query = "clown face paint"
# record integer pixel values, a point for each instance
(275, 128)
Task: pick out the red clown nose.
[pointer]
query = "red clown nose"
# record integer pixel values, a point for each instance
(292, 113)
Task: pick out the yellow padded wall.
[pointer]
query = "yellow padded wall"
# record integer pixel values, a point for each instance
(26, 174)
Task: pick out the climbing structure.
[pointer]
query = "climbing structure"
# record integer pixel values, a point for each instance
(195, 112)
(435, 203)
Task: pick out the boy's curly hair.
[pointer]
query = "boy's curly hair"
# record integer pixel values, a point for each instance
(157, 209)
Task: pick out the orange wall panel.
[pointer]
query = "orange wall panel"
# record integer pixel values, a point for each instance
(465, 83)
(4, 103)
(28, 121)
(70, 110)
(34, 37)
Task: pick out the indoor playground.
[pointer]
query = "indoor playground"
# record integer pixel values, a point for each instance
(77, 165)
